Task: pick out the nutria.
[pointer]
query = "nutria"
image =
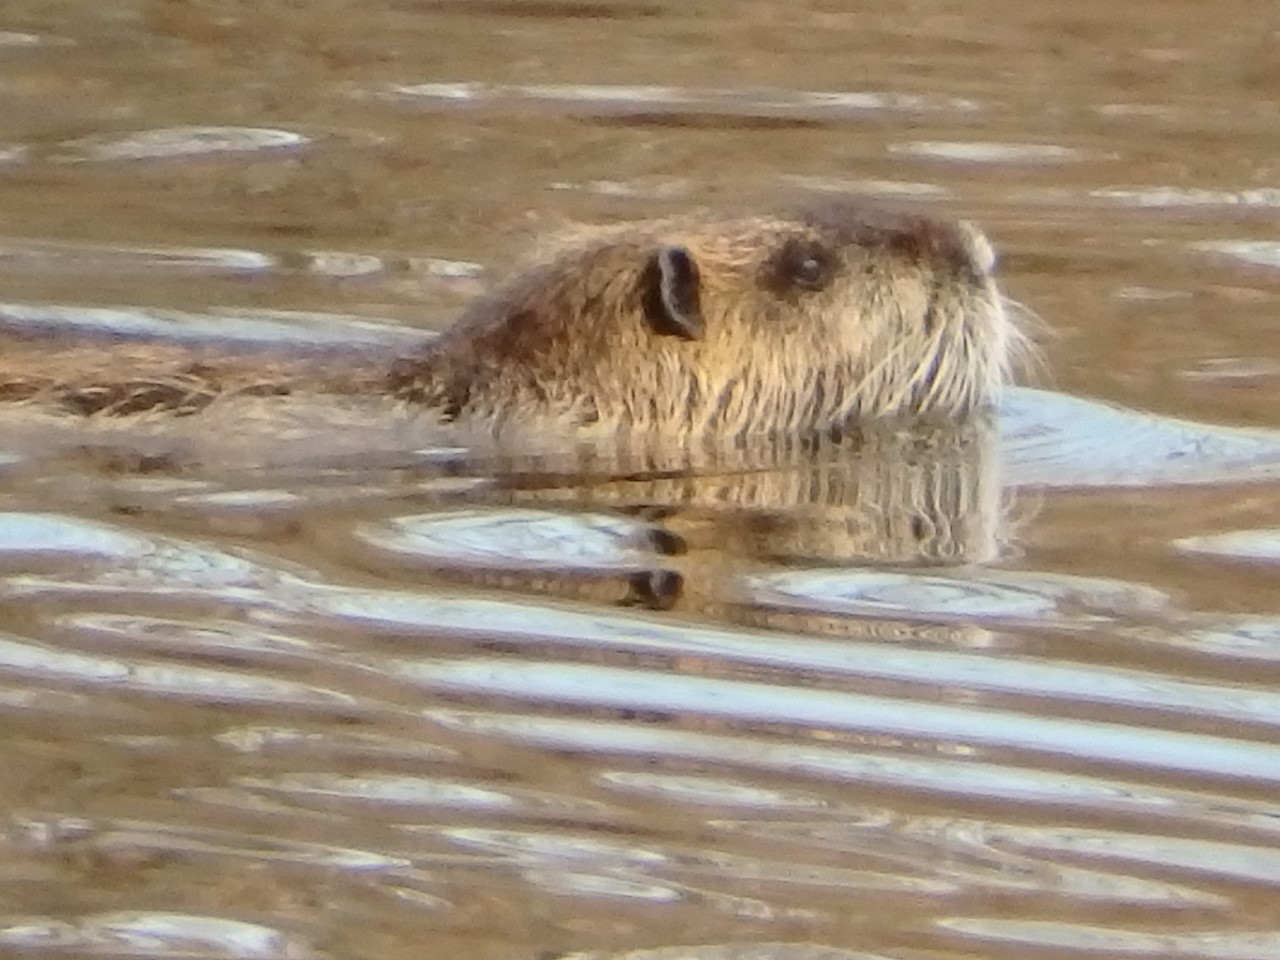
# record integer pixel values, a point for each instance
(737, 325)
(701, 325)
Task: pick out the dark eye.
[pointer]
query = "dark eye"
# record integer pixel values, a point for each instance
(802, 264)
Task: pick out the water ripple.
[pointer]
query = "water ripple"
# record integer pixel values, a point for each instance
(1106, 941)
(221, 325)
(1243, 638)
(513, 539)
(713, 791)
(37, 661)
(985, 151)
(145, 933)
(616, 99)
(423, 793)
(731, 951)
(238, 847)
(183, 637)
(1242, 864)
(1260, 253)
(89, 557)
(956, 596)
(539, 626)
(582, 685)
(952, 778)
(541, 848)
(1164, 196)
(178, 142)
(1053, 440)
(574, 884)
(1259, 545)
(328, 745)
(961, 854)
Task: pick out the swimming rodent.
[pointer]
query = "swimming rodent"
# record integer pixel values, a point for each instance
(794, 321)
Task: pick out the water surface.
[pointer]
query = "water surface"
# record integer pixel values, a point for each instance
(1011, 696)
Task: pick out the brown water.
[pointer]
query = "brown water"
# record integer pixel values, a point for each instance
(992, 698)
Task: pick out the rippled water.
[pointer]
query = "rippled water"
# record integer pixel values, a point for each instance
(1011, 693)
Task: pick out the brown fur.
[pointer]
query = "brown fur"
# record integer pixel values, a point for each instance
(789, 322)
(97, 376)
(907, 322)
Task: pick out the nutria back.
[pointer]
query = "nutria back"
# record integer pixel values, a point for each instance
(706, 326)
(729, 326)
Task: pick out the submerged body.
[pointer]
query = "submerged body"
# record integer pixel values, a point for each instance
(788, 322)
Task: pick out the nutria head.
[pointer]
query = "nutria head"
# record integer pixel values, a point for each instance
(730, 326)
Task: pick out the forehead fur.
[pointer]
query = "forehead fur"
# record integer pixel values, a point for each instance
(849, 223)
(840, 222)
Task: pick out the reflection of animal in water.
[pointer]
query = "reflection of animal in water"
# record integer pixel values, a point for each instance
(764, 323)
(928, 497)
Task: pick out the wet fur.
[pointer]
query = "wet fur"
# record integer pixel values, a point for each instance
(909, 323)
(698, 326)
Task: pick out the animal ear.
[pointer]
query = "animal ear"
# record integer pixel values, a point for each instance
(670, 289)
